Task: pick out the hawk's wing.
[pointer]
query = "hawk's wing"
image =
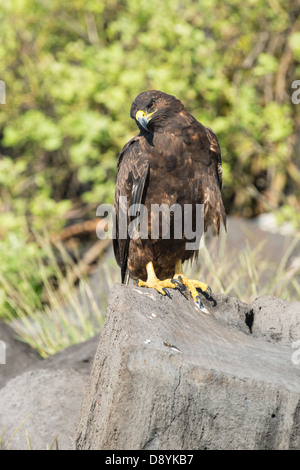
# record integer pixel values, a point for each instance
(216, 151)
(214, 211)
(131, 186)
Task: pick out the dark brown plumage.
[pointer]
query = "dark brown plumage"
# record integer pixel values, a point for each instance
(174, 159)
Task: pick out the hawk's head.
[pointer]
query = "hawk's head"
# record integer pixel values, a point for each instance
(151, 109)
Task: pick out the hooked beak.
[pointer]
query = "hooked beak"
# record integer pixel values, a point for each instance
(144, 118)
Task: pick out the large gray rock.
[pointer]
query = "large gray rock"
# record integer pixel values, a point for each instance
(166, 376)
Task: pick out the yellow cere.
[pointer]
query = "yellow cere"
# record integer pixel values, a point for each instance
(140, 114)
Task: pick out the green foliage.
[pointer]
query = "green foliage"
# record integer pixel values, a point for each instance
(72, 70)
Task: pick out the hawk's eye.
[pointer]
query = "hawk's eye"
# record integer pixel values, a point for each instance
(151, 104)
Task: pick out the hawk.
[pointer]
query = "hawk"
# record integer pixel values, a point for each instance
(174, 160)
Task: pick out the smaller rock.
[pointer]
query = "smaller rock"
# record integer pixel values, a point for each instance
(44, 400)
(78, 357)
(18, 356)
(44, 405)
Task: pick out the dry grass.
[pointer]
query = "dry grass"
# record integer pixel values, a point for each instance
(247, 273)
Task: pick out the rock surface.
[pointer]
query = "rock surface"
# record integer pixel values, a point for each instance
(276, 320)
(166, 376)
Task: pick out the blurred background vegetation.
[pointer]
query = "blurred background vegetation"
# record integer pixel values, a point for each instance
(72, 70)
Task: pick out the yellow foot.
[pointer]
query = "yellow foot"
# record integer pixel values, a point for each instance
(193, 285)
(159, 285)
(179, 280)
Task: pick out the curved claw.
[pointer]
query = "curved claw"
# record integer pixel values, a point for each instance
(166, 292)
(200, 305)
(208, 291)
(175, 281)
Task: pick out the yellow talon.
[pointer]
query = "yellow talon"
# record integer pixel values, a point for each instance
(178, 280)
(192, 284)
(157, 284)
(154, 282)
